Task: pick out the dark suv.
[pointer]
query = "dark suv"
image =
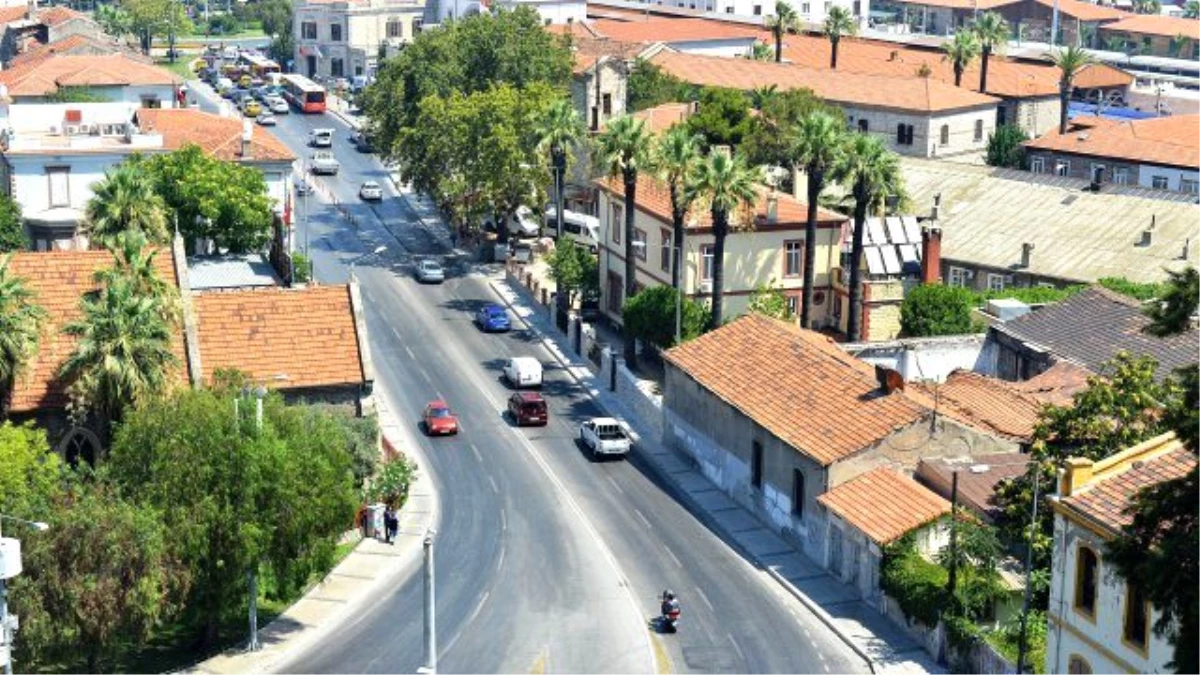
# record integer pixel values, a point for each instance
(528, 407)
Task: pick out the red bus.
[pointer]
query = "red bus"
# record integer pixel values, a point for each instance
(304, 94)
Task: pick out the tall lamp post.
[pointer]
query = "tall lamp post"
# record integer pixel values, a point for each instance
(10, 566)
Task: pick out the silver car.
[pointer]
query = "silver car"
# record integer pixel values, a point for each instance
(370, 191)
(277, 105)
(430, 272)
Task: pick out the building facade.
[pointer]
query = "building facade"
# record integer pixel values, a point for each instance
(344, 38)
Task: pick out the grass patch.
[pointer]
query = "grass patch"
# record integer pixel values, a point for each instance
(181, 67)
(1006, 643)
(246, 32)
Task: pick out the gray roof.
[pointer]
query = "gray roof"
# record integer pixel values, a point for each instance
(987, 214)
(231, 271)
(1090, 327)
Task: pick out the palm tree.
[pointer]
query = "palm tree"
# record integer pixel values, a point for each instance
(838, 22)
(1147, 6)
(133, 260)
(961, 51)
(558, 131)
(872, 172)
(1070, 61)
(992, 31)
(729, 186)
(759, 51)
(676, 157)
(784, 20)
(1191, 10)
(625, 150)
(761, 96)
(21, 323)
(125, 200)
(817, 147)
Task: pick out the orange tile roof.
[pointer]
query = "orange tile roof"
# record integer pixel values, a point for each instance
(587, 50)
(662, 117)
(59, 279)
(1106, 499)
(575, 29)
(53, 16)
(1058, 384)
(797, 385)
(960, 4)
(309, 336)
(654, 199)
(44, 75)
(219, 137)
(1084, 11)
(1151, 24)
(993, 405)
(884, 505)
(1170, 141)
(916, 94)
(13, 13)
(75, 44)
(674, 30)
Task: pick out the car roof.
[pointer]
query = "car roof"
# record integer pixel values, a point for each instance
(493, 308)
(430, 261)
(370, 183)
(598, 421)
(530, 396)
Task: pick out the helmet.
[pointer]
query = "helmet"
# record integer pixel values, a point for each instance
(669, 595)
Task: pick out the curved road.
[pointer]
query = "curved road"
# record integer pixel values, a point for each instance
(546, 561)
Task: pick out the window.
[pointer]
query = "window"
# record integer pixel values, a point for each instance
(805, 8)
(1062, 167)
(1037, 164)
(729, 10)
(335, 32)
(1189, 186)
(1159, 182)
(857, 11)
(616, 289)
(1137, 619)
(793, 305)
(664, 255)
(797, 493)
(395, 29)
(60, 185)
(995, 282)
(904, 134)
(706, 262)
(958, 277)
(863, 125)
(1085, 580)
(793, 258)
(417, 23)
(944, 136)
(606, 104)
(756, 464)
(337, 67)
(1078, 666)
(617, 222)
(640, 244)
(308, 30)
(1121, 176)
(978, 130)
(757, 10)
(151, 102)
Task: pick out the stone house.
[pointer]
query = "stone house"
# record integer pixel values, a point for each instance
(344, 38)
(28, 27)
(1154, 35)
(117, 77)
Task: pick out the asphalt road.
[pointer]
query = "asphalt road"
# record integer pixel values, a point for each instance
(546, 561)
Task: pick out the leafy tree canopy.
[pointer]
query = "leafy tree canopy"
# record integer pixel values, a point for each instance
(649, 86)
(769, 139)
(723, 119)
(770, 301)
(1004, 147)
(574, 269)
(156, 18)
(650, 316)
(30, 474)
(935, 309)
(12, 228)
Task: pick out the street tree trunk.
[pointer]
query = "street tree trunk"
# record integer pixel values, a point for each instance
(630, 262)
(560, 167)
(815, 179)
(779, 45)
(854, 321)
(983, 66)
(720, 231)
(1064, 98)
(677, 217)
(833, 54)
(958, 73)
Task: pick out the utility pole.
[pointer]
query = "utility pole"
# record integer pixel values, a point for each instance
(430, 617)
(953, 535)
(1022, 645)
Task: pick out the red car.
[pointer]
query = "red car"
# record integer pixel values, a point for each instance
(528, 407)
(439, 421)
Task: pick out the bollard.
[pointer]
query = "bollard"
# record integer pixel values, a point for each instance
(545, 300)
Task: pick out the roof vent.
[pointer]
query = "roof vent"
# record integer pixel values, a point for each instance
(980, 468)
(1148, 233)
(1082, 137)
(1138, 464)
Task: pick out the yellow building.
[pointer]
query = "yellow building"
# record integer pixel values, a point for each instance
(764, 248)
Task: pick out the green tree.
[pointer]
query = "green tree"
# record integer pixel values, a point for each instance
(31, 474)
(961, 51)
(625, 149)
(771, 135)
(770, 301)
(723, 119)
(759, 52)
(1004, 147)
(817, 147)
(649, 85)
(21, 324)
(1147, 6)
(1191, 10)
(149, 19)
(114, 20)
(975, 557)
(676, 157)
(125, 200)
(784, 20)
(761, 97)
(98, 582)
(838, 23)
(992, 31)
(12, 227)
(390, 486)
(212, 199)
(234, 496)
(1070, 61)
(70, 94)
(574, 270)
(283, 47)
(872, 172)
(729, 188)
(559, 131)
(933, 309)
(650, 316)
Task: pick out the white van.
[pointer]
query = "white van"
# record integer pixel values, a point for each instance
(523, 371)
(582, 228)
(321, 138)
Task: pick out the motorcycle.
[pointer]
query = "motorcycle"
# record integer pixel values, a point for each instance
(669, 621)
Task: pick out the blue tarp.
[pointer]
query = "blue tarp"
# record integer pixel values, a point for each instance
(1079, 109)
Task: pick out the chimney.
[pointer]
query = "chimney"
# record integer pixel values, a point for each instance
(1187, 245)
(799, 185)
(247, 134)
(889, 380)
(1026, 254)
(1076, 474)
(773, 207)
(931, 254)
(937, 207)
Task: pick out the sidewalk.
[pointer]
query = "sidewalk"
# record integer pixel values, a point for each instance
(884, 646)
(360, 579)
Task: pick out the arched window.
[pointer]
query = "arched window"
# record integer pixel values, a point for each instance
(1078, 666)
(945, 139)
(1086, 575)
(80, 444)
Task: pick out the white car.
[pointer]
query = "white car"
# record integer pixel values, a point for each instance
(371, 191)
(266, 119)
(430, 272)
(523, 371)
(277, 105)
(604, 436)
(321, 138)
(325, 162)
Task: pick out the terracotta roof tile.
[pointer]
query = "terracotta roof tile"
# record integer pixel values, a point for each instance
(1150, 24)
(1084, 11)
(674, 30)
(1170, 141)
(978, 476)
(587, 50)
(662, 117)
(13, 13)
(1057, 385)
(884, 505)
(59, 279)
(53, 16)
(220, 137)
(43, 75)
(918, 94)
(654, 198)
(1106, 499)
(797, 385)
(309, 335)
(75, 45)
(993, 405)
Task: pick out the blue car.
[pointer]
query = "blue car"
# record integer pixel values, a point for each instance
(493, 318)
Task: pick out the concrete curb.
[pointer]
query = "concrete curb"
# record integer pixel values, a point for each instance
(587, 383)
(278, 651)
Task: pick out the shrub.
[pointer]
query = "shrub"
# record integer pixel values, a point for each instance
(915, 583)
(935, 309)
(1133, 289)
(1004, 147)
(301, 268)
(390, 485)
(1035, 295)
(650, 316)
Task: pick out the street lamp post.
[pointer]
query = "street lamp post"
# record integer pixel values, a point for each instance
(10, 566)
(430, 665)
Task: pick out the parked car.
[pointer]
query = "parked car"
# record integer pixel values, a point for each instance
(438, 419)
(523, 371)
(371, 191)
(528, 407)
(603, 436)
(325, 163)
(579, 227)
(493, 318)
(430, 272)
(278, 105)
(259, 93)
(266, 119)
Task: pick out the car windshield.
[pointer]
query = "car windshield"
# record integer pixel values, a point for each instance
(494, 311)
(439, 412)
(371, 186)
(430, 265)
(534, 406)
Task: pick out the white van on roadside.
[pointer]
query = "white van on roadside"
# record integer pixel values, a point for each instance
(580, 227)
(523, 371)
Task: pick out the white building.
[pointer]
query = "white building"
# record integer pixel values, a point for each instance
(551, 11)
(344, 38)
(106, 77)
(1099, 622)
(810, 11)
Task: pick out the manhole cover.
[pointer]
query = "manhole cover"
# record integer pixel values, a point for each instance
(711, 660)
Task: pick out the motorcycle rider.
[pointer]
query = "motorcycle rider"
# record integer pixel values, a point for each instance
(670, 606)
